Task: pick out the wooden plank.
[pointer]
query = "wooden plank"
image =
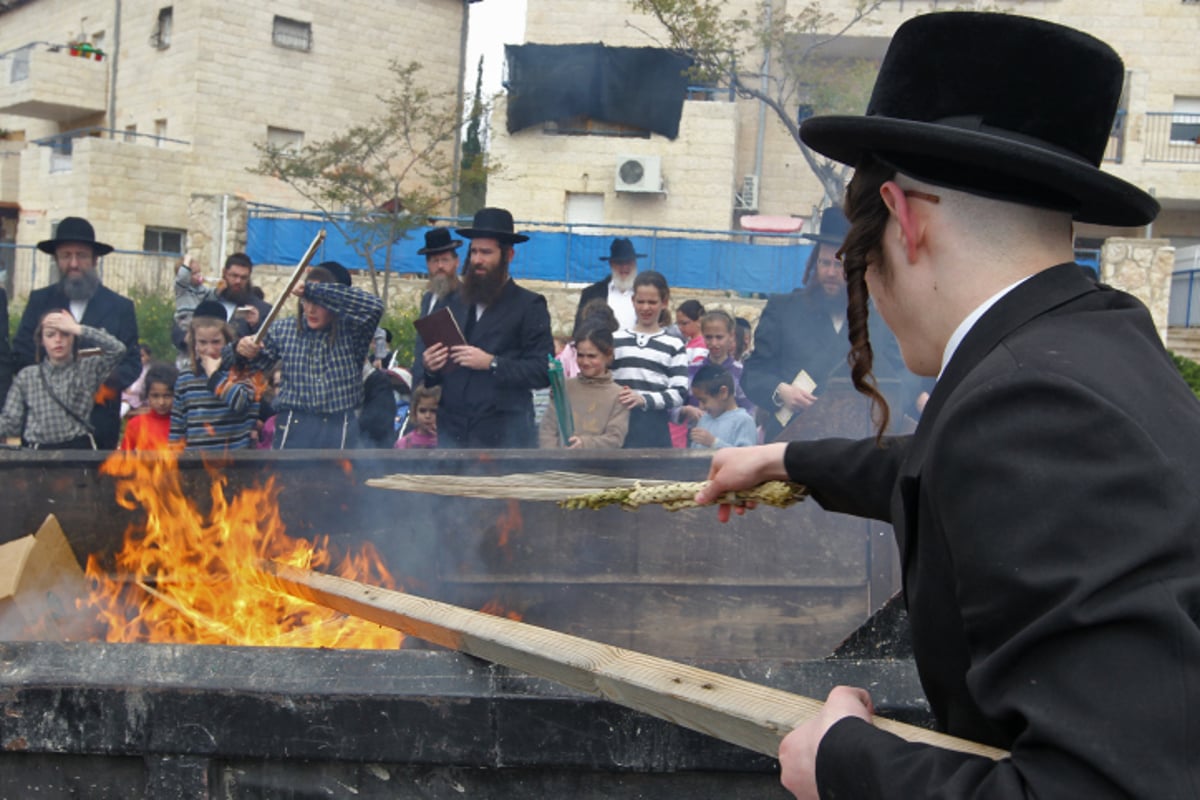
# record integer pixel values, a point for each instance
(746, 714)
(297, 273)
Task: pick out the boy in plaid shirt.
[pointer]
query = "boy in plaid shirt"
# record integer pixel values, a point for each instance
(322, 351)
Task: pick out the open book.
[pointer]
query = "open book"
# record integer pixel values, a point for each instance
(802, 381)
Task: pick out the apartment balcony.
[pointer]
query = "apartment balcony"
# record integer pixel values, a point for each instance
(1172, 138)
(47, 82)
(10, 171)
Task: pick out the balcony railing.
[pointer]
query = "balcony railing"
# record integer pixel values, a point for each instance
(1115, 151)
(1172, 137)
(63, 144)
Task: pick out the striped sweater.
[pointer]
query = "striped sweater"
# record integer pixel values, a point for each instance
(652, 364)
(213, 413)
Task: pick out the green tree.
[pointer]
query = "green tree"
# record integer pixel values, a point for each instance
(776, 57)
(378, 180)
(473, 177)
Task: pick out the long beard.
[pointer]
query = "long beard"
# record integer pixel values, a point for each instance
(80, 286)
(484, 290)
(240, 298)
(441, 285)
(623, 283)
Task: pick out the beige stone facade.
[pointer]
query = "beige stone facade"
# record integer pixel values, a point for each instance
(190, 98)
(1156, 39)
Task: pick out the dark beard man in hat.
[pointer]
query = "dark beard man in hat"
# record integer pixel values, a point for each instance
(80, 291)
(800, 343)
(487, 382)
(1045, 507)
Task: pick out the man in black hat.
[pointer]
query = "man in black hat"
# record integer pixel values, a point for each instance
(1045, 507)
(487, 383)
(235, 292)
(75, 250)
(800, 342)
(441, 259)
(617, 288)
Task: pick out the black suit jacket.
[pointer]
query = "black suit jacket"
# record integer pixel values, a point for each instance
(1049, 526)
(108, 311)
(6, 355)
(795, 332)
(599, 289)
(497, 406)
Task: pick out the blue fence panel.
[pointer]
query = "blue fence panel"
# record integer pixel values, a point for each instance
(565, 256)
(1184, 309)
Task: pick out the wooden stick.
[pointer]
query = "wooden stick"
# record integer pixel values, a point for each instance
(297, 274)
(747, 714)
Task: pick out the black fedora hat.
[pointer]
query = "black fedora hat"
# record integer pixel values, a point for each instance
(75, 230)
(996, 105)
(340, 274)
(622, 250)
(834, 227)
(437, 240)
(492, 223)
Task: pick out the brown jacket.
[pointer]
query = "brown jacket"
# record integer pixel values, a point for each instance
(601, 422)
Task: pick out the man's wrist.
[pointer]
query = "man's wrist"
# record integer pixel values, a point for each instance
(494, 364)
(776, 398)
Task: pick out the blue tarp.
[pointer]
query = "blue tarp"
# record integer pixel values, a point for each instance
(560, 256)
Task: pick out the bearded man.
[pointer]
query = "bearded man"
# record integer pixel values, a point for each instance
(75, 250)
(441, 261)
(487, 382)
(617, 288)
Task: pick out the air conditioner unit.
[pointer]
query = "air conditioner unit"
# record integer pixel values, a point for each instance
(639, 174)
(746, 198)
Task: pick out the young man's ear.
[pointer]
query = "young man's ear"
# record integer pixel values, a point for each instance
(912, 227)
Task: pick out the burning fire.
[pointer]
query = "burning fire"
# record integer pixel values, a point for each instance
(192, 578)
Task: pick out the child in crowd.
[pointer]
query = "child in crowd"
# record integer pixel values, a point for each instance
(425, 401)
(322, 352)
(135, 394)
(49, 402)
(744, 338)
(724, 423)
(650, 365)
(151, 430)
(596, 310)
(720, 333)
(687, 320)
(214, 408)
(600, 420)
(266, 410)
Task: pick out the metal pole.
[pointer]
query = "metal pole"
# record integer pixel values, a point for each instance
(112, 81)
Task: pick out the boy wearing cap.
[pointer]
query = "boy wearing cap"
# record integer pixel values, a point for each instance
(1045, 507)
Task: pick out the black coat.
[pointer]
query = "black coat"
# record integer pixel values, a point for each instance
(597, 290)
(6, 354)
(495, 408)
(1049, 528)
(108, 311)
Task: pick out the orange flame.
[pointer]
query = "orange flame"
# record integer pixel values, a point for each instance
(190, 578)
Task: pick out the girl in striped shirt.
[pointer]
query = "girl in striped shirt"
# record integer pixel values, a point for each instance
(650, 365)
(212, 411)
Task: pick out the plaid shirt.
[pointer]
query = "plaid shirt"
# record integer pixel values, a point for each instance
(31, 412)
(322, 370)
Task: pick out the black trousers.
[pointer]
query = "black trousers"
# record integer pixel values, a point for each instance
(497, 429)
(648, 429)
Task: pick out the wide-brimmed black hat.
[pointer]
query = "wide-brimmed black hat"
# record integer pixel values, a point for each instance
(340, 274)
(492, 223)
(997, 105)
(437, 240)
(75, 230)
(211, 309)
(834, 227)
(622, 250)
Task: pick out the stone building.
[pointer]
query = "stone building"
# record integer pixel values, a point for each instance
(134, 113)
(723, 165)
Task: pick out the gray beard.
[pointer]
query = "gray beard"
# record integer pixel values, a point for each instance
(82, 286)
(441, 285)
(623, 284)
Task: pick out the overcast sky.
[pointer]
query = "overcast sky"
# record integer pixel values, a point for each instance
(494, 23)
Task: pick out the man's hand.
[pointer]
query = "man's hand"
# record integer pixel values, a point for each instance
(798, 752)
(794, 398)
(735, 468)
(247, 348)
(470, 356)
(250, 314)
(435, 357)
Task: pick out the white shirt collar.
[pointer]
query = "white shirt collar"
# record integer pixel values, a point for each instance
(965, 326)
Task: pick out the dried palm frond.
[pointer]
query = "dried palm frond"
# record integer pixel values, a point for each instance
(576, 490)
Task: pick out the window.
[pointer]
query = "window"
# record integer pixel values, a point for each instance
(584, 125)
(160, 132)
(1185, 121)
(164, 240)
(284, 140)
(292, 34)
(161, 38)
(131, 133)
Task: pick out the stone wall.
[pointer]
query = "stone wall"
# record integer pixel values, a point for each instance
(1141, 267)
